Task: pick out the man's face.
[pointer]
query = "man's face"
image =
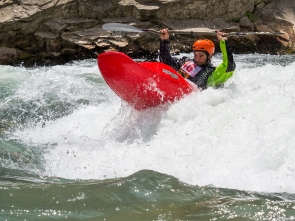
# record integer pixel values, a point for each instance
(200, 58)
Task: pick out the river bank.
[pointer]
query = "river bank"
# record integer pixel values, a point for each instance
(60, 31)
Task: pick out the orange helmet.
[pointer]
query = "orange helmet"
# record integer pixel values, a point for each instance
(204, 45)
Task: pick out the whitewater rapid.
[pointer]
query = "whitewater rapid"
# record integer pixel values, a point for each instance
(239, 137)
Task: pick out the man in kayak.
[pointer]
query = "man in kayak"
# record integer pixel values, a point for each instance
(200, 70)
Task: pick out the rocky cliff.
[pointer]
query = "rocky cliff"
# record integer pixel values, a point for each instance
(35, 31)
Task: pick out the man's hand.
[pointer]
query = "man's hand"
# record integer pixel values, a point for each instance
(164, 35)
(221, 36)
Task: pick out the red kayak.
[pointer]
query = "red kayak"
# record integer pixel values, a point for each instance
(142, 84)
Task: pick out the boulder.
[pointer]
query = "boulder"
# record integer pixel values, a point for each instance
(246, 24)
(12, 55)
(279, 15)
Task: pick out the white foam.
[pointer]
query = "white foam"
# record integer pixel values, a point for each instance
(241, 136)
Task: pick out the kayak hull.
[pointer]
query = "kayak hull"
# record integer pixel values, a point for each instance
(142, 84)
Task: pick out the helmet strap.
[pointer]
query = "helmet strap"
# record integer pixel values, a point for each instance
(209, 57)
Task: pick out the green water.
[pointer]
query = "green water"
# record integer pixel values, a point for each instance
(146, 195)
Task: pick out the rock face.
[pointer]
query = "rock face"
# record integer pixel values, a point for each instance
(34, 31)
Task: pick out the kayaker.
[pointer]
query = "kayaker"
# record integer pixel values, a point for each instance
(200, 70)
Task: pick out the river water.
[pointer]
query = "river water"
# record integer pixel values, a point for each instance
(70, 149)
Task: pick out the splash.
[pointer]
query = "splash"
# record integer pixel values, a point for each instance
(240, 137)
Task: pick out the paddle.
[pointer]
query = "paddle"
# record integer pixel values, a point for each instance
(129, 28)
